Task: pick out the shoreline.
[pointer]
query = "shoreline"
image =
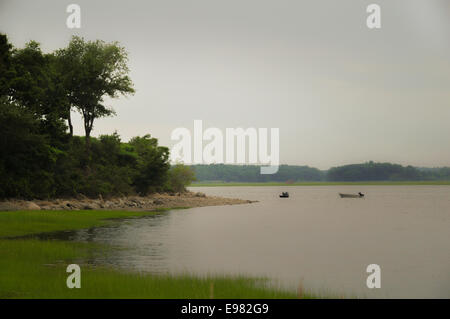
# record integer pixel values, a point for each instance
(151, 202)
(37, 268)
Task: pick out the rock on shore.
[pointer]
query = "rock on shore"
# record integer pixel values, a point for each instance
(151, 202)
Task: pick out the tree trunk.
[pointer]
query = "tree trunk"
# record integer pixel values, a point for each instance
(88, 139)
(87, 130)
(88, 124)
(69, 122)
(88, 147)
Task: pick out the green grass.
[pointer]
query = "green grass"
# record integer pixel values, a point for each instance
(31, 268)
(37, 269)
(388, 183)
(20, 223)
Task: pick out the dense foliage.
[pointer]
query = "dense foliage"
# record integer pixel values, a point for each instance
(40, 157)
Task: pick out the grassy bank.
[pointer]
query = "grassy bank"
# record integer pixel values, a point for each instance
(387, 183)
(21, 223)
(37, 269)
(32, 268)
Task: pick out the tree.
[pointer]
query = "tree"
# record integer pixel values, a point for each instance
(94, 70)
(34, 83)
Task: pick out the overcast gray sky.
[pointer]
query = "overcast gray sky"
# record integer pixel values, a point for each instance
(339, 92)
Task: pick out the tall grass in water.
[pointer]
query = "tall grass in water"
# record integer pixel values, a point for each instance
(20, 223)
(37, 269)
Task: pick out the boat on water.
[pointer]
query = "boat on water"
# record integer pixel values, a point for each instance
(359, 195)
(284, 195)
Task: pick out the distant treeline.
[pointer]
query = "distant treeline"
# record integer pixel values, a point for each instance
(385, 172)
(251, 173)
(369, 171)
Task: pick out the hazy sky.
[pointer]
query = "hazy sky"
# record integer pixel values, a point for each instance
(339, 92)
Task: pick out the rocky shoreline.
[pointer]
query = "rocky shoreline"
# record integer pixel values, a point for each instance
(151, 202)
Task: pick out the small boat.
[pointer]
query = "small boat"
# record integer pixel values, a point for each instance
(284, 195)
(359, 195)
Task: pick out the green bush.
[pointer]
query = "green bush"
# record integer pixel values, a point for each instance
(179, 176)
(152, 164)
(113, 168)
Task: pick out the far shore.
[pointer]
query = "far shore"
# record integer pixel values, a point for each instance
(368, 183)
(127, 203)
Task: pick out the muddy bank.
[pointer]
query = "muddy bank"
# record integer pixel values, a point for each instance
(154, 201)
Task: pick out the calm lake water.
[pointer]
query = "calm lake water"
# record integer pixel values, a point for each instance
(314, 237)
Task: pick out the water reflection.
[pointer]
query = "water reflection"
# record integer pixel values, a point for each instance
(139, 244)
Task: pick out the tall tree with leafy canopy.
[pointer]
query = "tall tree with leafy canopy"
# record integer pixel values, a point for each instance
(35, 84)
(93, 71)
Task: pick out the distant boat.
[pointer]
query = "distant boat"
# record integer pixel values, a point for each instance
(284, 195)
(359, 195)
